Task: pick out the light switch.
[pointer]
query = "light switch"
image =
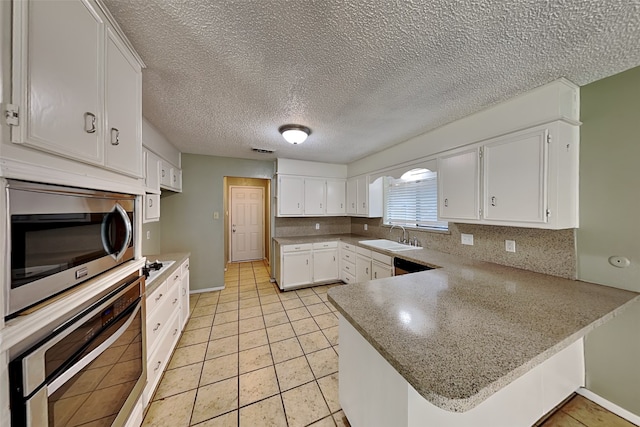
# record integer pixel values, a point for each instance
(317, 226)
(366, 227)
(467, 239)
(148, 234)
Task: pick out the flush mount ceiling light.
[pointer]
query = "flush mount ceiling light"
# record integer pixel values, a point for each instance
(294, 134)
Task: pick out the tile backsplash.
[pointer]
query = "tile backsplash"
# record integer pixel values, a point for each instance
(293, 227)
(544, 251)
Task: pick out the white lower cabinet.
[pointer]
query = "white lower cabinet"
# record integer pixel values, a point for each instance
(325, 262)
(380, 270)
(296, 267)
(306, 264)
(167, 312)
(363, 267)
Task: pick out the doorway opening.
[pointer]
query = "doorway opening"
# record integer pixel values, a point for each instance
(247, 219)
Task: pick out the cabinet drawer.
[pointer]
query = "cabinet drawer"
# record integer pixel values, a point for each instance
(349, 256)
(348, 267)
(174, 279)
(325, 245)
(363, 251)
(349, 278)
(297, 248)
(159, 358)
(158, 321)
(384, 259)
(347, 247)
(156, 298)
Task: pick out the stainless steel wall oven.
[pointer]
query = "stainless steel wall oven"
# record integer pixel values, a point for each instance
(62, 236)
(90, 369)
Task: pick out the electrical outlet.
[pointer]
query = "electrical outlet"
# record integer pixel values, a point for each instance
(317, 226)
(510, 245)
(366, 227)
(467, 239)
(216, 215)
(148, 234)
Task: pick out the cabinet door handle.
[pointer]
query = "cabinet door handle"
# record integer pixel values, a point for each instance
(375, 274)
(446, 203)
(175, 301)
(115, 136)
(175, 331)
(158, 297)
(150, 203)
(184, 291)
(157, 366)
(340, 205)
(494, 201)
(89, 122)
(307, 261)
(176, 277)
(163, 173)
(175, 179)
(366, 270)
(156, 328)
(334, 258)
(363, 204)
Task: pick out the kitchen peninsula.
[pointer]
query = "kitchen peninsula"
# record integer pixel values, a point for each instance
(469, 343)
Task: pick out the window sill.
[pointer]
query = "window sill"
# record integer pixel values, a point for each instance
(425, 229)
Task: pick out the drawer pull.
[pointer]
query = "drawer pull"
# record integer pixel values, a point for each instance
(175, 331)
(175, 301)
(184, 291)
(158, 365)
(177, 276)
(157, 326)
(158, 297)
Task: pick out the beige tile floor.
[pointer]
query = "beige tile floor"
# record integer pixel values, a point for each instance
(253, 356)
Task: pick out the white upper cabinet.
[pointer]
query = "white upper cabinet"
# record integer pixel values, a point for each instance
(459, 185)
(527, 178)
(352, 196)
(310, 196)
(364, 198)
(515, 177)
(123, 147)
(76, 85)
(336, 197)
(58, 73)
(152, 165)
(290, 196)
(314, 196)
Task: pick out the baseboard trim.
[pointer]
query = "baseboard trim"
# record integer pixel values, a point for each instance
(610, 406)
(201, 291)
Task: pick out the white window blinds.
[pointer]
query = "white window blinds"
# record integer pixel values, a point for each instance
(412, 200)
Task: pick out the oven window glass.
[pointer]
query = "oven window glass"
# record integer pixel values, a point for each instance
(97, 392)
(45, 244)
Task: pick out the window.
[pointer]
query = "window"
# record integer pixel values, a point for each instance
(412, 200)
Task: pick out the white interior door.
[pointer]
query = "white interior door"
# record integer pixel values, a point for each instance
(247, 223)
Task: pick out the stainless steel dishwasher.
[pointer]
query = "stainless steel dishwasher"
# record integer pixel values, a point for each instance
(403, 266)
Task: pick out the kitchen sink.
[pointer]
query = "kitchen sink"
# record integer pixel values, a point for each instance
(387, 245)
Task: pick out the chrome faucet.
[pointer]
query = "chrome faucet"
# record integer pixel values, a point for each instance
(404, 233)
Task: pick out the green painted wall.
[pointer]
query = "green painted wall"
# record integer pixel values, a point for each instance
(187, 223)
(610, 225)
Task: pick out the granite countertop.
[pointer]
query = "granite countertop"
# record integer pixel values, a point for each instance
(464, 330)
(178, 257)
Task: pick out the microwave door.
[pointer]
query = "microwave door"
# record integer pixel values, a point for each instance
(114, 242)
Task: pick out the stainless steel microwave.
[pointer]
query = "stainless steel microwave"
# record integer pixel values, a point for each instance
(60, 236)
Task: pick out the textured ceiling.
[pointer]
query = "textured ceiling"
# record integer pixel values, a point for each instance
(222, 76)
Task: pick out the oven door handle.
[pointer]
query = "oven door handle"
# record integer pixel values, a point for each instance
(128, 233)
(76, 366)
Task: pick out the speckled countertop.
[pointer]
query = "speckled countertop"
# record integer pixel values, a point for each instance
(178, 257)
(463, 331)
